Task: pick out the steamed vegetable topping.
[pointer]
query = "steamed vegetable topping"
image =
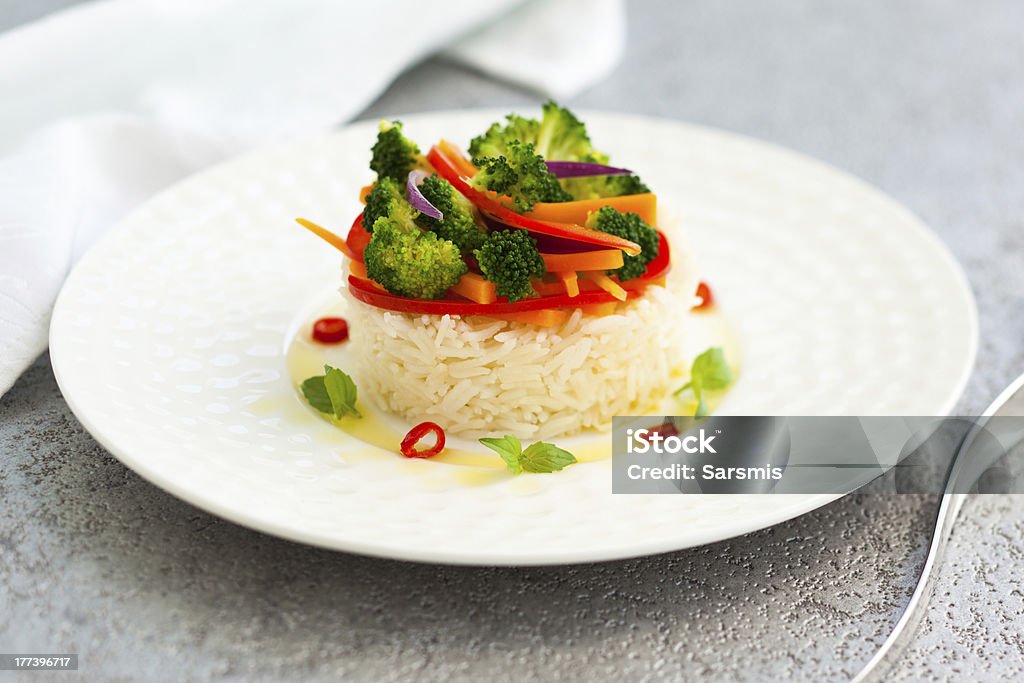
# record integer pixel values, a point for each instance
(521, 175)
(394, 155)
(410, 261)
(509, 258)
(630, 227)
(535, 225)
(386, 200)
(709, 372)
(538, 458)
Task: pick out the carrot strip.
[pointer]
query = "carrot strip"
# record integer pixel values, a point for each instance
(458, 157)
(547, 317)
(570, 281)
(475, 288)
(363, 191)
(327, 236)
(645, 205)
(600, 309)
(358, 269)
(606, 283)
(599, 259)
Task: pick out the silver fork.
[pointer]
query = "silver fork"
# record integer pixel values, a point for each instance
(963, 474)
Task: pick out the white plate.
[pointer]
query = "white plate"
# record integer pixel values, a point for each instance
(168, 342)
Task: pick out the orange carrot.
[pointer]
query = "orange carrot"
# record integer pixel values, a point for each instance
(461, 161)
(475, 288)
(599, 309)
(358, 268)
(646, 205)
(571, 282)
(363, 191)
(606, 283)
(547, 317)
(327, 236)
(599, 259)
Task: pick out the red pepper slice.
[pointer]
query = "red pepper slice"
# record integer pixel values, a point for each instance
(418, 432)
(707, 299)
(357, 238)
(449, 171)
(330, 330)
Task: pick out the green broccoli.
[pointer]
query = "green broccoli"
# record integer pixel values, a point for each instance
(394, 155)
(459, 222)
(598, 186)
(630, 227)
(520, 174)
(387, 198)
(508, 259)
(494, 143)
(402, 257)
(558, 136)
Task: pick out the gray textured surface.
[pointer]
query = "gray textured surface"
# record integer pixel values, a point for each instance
(923, 99)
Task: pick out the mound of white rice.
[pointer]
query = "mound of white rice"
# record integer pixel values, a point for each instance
(477, 376)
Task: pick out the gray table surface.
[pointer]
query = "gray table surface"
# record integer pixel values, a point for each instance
(924, 99)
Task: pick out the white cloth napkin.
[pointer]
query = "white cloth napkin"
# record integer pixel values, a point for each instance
(107, 103)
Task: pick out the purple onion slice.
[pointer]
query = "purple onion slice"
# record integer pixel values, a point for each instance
(576, 169)
(416, 198)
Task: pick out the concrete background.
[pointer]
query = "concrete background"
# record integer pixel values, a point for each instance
(924, 99)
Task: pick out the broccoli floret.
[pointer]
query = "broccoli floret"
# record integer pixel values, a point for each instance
(394, 155)
(627, 226)
(459, 223)
(596, 187)
(563, 137)
(404, 258)
(558, 136)
(409, 261)
(509, 258)
(387, 199)
(494, 143)
(520, 174)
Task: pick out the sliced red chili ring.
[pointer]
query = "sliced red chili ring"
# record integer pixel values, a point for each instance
(416, 434)
(707, 300)
(330, 330)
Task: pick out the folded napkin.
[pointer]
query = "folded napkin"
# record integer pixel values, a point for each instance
(107, 103)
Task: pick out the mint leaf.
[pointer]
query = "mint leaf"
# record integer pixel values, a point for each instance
(342, 391)
(709, 371)
(545, 457)
(316, 393)
(333, 393)
(509, 448)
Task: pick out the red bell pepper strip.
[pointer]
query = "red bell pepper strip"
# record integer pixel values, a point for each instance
(448, 170)
(357, 238)
(368, 293)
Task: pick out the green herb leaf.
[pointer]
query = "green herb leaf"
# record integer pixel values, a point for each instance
(545, 457)
(342, 391)
(316, 393)
(538, 458)
(709, 371)
(509, 448)
(333, 393)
